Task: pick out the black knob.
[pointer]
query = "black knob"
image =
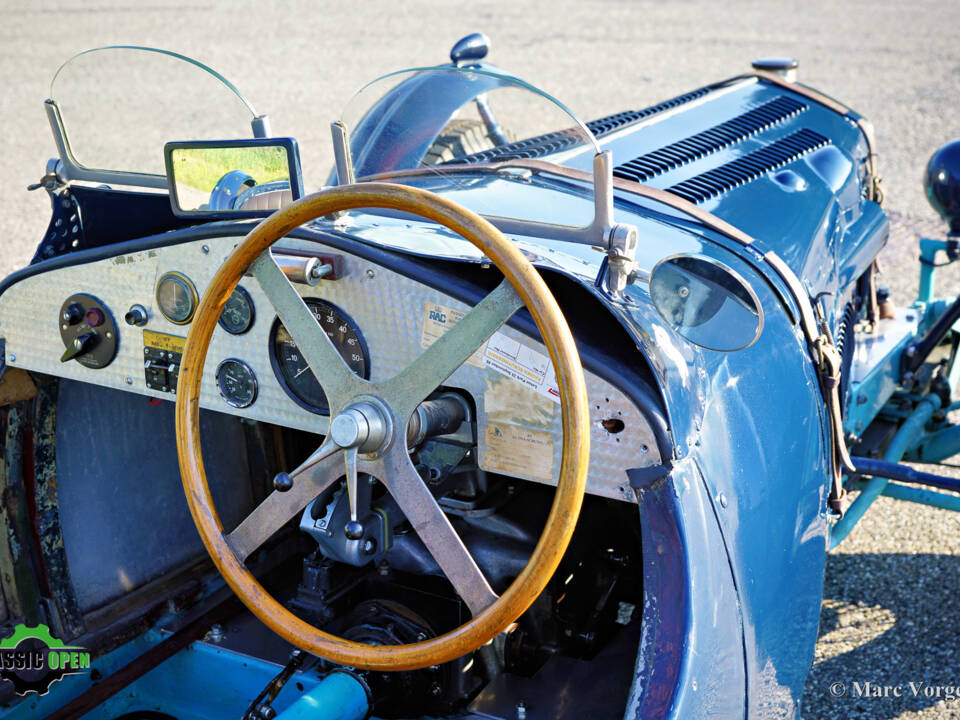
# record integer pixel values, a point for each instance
(82, 342)
(79, 345)
(72, 313)
(282, 482)
(136, 315)
(942, 183)
(353, 530)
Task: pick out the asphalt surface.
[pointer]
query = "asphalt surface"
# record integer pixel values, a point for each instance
(890, 615)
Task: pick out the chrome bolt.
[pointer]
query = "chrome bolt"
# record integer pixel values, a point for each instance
(13, 358)
(129, 380)
(371, 274)
(683, 291)
(216, 633)
(205, 249)
(723, 500)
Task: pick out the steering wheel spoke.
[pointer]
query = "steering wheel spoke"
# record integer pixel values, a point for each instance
(310, 479)
(336, 379)
(433, 527)
(451, 350)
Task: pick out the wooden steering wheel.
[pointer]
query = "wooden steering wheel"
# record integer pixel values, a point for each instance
(368, 429)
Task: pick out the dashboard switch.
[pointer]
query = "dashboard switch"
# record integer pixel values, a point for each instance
(81, 344)
(72, 313)
(88, 331)
(136, 315)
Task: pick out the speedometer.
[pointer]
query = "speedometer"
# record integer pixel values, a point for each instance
(291, 368)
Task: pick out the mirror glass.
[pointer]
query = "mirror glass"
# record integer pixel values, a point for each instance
(237, 178)
(706, 302)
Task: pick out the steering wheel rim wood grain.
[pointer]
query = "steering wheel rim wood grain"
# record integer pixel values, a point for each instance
(391, 401)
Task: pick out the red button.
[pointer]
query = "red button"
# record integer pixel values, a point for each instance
(94, 317)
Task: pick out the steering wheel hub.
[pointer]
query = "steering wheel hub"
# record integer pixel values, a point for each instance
(362, 426)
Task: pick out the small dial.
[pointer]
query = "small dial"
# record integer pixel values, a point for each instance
(176, 298)
(291, 368)
(237, 383)
(237, 316)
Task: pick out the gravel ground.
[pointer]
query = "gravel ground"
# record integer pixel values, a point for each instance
(890, 615)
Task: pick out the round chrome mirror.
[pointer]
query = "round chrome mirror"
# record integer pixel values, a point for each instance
(706, 302)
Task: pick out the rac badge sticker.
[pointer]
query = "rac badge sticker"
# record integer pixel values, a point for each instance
(32, 659)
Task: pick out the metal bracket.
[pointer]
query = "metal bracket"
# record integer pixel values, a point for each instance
(261, 126)
(341, 153)
(65, 232)
(621, 257)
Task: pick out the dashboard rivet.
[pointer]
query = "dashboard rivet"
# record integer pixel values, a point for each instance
(205, 249)
(129, 380)
(723, 500)
(371, 274)
(13, 358)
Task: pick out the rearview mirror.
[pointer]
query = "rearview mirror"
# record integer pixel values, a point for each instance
(232, 178)
(706, 302)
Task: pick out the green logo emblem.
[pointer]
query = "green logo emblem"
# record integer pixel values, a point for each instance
(32, 659)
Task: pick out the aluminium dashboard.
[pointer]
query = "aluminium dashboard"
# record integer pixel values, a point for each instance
(509, 378)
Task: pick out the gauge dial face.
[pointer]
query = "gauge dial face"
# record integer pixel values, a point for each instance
(176, 298)
(237, 315)
(291, 368)
(237, 383)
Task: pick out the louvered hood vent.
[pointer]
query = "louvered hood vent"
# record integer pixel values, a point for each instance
(612, 122)
(710, 141)
(554, 142)
(749, 167)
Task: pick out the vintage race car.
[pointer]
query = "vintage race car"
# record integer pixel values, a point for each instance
(518, 417)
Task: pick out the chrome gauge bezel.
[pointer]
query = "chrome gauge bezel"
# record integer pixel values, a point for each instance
(242, 292)
(183, 281)
(253, 377)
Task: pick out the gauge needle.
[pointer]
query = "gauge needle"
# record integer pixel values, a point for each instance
(301, 372)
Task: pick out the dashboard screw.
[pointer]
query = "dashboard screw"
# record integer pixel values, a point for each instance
(371, 274)
(129, 380)
(205, 249)
(13, 358)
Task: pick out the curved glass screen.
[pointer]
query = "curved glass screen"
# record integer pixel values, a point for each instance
(452, 129)
(120, 104)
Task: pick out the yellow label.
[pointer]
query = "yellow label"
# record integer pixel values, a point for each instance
(519, 451)
(162, 341)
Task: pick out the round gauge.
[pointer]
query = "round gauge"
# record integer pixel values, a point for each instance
(291, 368)
(176, 297)
(237, 315)
(237, 383)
